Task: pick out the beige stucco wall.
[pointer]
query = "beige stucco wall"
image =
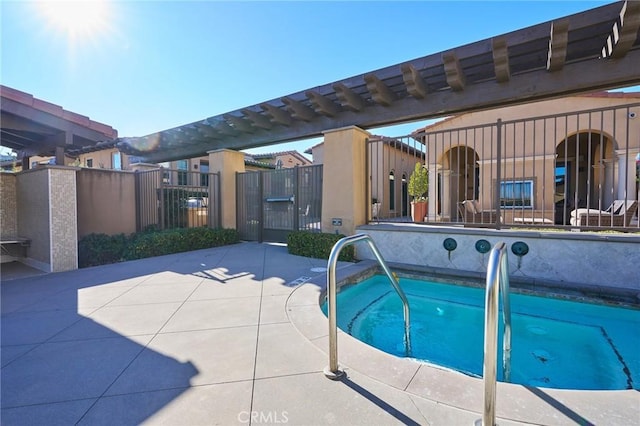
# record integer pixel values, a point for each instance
(344, 179)
(227, 163)
(32, 190)
(64, 224)
(102, 159)
(552, 107)
(8, 206)
(386, 158)
(317, 152)
(106, 202)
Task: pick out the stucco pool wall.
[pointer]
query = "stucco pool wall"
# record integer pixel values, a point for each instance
(599, 261)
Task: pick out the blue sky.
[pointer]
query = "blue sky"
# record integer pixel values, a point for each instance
(145, 66)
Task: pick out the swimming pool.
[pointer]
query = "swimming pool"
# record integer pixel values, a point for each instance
(555, 343)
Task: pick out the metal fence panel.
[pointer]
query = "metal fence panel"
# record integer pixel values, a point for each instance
(147, 203)
(279, 200)
(168, 199)
(249, 206)
(568, 170)
(272, 203)
(309, 198)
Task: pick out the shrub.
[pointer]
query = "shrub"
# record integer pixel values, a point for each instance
(100, 249)
(159, 243)
(317, 245)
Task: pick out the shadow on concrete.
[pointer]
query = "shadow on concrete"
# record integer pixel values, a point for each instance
(577, 418)
(58, 361)
(400, 416)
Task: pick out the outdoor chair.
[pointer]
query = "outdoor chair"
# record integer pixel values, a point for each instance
(619, 213)
(470, 212)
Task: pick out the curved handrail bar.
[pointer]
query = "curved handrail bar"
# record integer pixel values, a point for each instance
(497, 281)
(332, 371)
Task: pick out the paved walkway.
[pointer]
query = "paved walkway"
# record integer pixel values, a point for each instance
(206, 337)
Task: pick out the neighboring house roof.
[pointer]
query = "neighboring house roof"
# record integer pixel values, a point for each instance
(275, 155)
(387, 140)
(251, 161)
(29, 123)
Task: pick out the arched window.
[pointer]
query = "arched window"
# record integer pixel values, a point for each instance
(392, 191)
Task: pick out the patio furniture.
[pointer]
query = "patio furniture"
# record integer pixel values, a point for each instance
(532, 220)
(619, 213)
(471, 212)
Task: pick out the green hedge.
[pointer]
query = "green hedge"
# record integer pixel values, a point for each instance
(100, 249)
(317, 245)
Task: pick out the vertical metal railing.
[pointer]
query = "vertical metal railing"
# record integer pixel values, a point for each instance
(390, 162)
(332, 371)
(166, 202)
(561, 170)
(497, 281)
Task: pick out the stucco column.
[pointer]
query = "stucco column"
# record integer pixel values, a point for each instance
(48, 217)
(344, 180)
(445, 212)
(609, 184)
(227, 162)
(433, 193)
(627, 173)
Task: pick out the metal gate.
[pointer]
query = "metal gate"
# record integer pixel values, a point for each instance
(272, 203)
(168, 199)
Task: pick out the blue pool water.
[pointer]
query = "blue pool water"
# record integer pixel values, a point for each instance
(555, 343)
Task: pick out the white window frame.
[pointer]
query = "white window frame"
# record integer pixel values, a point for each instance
(526, 191)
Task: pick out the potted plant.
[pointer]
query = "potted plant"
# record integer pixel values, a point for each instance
(418, 188)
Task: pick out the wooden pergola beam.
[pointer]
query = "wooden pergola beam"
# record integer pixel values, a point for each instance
(471, 68)
(257, 119)
(557, 53)
(277, 115)
(453, 71)
(380, 93)
(322, 105)
(190, 132)
(207, 130)
(624, 32)
(224, 128)
(239, 124)
(500, 52)
(348, 98)
(299, 110)
(414, 83)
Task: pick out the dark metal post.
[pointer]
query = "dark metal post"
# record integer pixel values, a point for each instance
(496, 201)
(262, 202)
(136, 180)
(296, 198)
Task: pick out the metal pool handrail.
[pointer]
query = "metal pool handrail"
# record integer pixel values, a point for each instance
(332, 371)
(497, 281)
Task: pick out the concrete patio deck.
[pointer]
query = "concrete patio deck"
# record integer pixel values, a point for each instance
(228, 336)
